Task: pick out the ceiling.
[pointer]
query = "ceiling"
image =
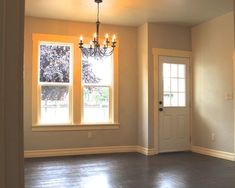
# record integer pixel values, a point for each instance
(131, 12)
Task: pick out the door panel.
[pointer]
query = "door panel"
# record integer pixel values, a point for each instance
(167, 127)
(180, 131)
(174, 132)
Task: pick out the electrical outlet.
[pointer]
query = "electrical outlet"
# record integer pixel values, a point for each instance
(212, 136)
(89, 135)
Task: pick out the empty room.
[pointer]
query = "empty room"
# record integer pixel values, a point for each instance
(117, 94)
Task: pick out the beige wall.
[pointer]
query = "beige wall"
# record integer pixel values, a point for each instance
(154, 35)
(169, 37)
(142, 43)
(136, 82)
(213, 44)
(127, 134)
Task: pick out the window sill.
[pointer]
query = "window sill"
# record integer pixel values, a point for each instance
(80, 127)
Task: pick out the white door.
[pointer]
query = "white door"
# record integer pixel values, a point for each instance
(174, 110)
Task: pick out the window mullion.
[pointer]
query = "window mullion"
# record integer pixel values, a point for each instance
(39, 104)
(82, 103)
(111, 107)
(77, 88)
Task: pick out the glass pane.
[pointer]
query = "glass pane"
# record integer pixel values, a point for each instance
(167, 99)
(97, 71)
(182, 99)
(96, 104)
(181, 85)
(181, 71)
(54, 104)
(174, 70)
(166, 69)
(174, 85)
(174, 99)
(167, 84)
(55, 60)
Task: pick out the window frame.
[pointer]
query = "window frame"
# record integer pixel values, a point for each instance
(76, 95)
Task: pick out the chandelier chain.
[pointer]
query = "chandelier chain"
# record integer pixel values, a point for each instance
(98, 12)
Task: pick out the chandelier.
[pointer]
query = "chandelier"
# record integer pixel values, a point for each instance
(95, 49)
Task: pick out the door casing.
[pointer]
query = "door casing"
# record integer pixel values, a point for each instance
(172, 53)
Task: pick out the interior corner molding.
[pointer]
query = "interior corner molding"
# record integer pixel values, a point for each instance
(213, 153)
(87, 151)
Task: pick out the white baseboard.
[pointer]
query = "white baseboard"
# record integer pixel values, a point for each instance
(213, 153)
(87, 151)
(145, 151)
(120, 149)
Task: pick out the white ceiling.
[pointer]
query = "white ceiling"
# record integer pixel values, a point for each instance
(131, 12)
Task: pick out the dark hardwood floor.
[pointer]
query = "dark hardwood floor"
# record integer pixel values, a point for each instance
(132, 170)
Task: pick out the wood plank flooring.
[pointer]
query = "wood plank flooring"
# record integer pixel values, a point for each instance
(132, 170)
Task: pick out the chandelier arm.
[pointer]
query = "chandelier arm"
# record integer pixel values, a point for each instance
(111, 52)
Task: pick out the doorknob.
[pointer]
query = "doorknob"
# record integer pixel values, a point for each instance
(160, 102)
(160, 109)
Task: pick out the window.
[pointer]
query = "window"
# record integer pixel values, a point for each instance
(97, 89)
(68, 89)
(55, 82)
(174, 84)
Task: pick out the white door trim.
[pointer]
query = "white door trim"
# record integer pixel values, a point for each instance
(173, 53)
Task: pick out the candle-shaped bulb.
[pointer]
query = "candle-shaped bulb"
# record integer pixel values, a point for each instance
(95, 36)
(105, 44)
(81, 38)
(90, 44)
(107, 36)
(114, 38)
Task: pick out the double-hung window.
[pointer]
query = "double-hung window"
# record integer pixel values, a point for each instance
(55, 82)
(97, 89)
(69, 89)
